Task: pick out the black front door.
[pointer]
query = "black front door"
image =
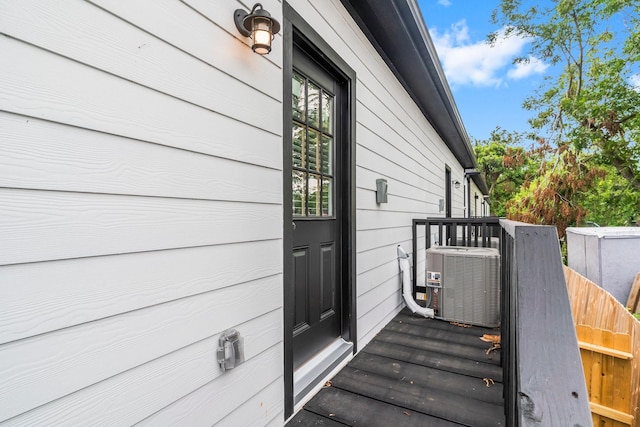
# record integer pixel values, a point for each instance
(316, 205)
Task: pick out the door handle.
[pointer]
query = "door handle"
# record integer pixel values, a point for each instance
(293, 224)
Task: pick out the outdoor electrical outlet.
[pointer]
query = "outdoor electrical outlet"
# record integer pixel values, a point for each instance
(230, 350)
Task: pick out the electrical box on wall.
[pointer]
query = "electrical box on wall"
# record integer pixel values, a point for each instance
(607, 256)
(381, 190)
(230, 350)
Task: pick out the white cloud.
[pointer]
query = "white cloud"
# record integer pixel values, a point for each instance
(635, 81)
(445, 3)
(525, 69)
(477, 63)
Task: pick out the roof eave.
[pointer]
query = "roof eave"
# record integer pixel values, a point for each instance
(397, 31)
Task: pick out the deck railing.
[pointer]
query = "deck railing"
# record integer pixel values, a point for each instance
(476, 232)
(542, 373)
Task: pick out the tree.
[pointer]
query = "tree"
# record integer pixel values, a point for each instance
(589, 113)
(505, 166)
(554, 195)
(611, 200)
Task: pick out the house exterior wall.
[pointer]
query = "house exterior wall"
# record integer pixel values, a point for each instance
(141, 186)
(475, 205)
(140, 168)
(394, 142)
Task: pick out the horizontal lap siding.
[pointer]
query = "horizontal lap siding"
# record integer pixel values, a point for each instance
(58, 294)
(46, 225)
(395, 142)
(136, 394)
(37, 154)
(141, 188)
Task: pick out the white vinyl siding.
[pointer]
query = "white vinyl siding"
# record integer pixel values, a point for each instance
(394, 142)
(141, 188)
(475, 204)
(141, 215)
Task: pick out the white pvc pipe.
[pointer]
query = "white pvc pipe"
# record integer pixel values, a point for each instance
(405, 269)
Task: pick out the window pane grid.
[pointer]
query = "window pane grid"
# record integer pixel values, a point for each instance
(312, 149)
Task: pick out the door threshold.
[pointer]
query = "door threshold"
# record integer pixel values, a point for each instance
(311, 376)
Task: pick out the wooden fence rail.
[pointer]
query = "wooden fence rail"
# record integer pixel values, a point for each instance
(609, 339)
(606, 358)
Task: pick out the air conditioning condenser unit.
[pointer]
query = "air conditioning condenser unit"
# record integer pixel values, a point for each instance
(464, 284)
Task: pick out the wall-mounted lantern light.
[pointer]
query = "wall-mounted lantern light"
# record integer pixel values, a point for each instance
(259, 25)
(456, 184)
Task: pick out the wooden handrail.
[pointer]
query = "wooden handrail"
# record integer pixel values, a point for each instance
(547, 386)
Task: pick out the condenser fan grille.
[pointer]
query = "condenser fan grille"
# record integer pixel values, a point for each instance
(468, 285)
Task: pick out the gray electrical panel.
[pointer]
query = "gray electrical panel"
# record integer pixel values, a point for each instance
(464, 284)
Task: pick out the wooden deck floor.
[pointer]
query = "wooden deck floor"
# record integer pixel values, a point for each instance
(415, 372)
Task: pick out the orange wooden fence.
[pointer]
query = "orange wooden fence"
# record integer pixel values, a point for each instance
(609, 338)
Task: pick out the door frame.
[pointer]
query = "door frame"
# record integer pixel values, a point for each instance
(447, 192)
(447, 201)
(311, 42)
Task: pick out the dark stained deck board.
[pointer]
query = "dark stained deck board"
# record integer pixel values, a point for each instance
(429, 369)
(450, 382)
(437, 334)
(440, 346)
(309, 418)
(467, 333)
(438, 329)
(428, 400)
(356, 410)
(407, 317)
(436, 360)
(470, 340)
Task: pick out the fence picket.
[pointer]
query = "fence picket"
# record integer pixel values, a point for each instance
(633, 303)
(609, 339)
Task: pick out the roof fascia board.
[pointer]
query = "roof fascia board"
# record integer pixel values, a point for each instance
(397, 31)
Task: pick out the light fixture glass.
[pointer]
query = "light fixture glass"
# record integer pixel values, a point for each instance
(261, 36)
(259, 25)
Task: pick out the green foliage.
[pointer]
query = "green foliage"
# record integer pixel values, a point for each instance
(586, 115)
(592, 97)
(505, 166)
(611, 200)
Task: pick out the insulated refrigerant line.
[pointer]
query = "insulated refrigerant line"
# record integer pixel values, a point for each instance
(407, 288)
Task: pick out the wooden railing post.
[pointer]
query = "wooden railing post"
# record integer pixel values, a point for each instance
(547, 383)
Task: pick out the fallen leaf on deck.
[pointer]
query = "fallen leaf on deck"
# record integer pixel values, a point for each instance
(488, 381)
(461, 325)
(495, 339)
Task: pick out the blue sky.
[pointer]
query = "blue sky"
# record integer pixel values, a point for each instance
(488, 88)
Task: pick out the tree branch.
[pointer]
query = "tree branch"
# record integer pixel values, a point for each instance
(580, 63)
